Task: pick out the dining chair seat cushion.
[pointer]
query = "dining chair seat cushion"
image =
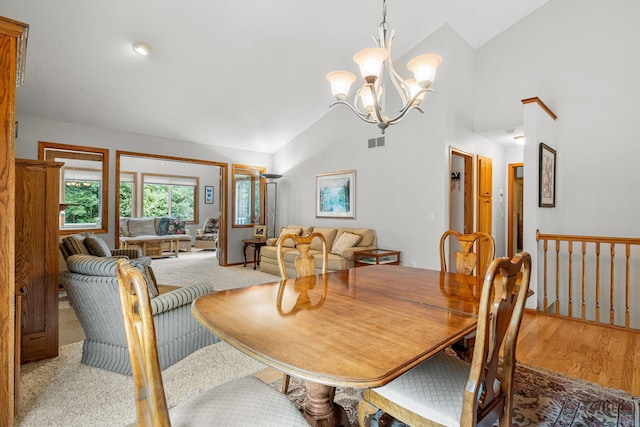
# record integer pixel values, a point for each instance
(243, 402)
(433, 389)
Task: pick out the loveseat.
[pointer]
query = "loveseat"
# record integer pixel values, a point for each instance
(150, 230)
(92, 286)
(341, 243)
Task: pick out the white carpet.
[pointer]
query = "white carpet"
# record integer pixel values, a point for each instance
(64, 392)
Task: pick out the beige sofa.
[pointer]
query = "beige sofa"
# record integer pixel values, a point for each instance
(154, 230)
(339, 258)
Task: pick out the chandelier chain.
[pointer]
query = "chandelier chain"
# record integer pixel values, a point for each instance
(384, 24)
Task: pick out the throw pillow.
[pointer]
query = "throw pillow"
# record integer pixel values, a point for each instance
(97, 246)
(176, 226)
(75, 245)
(211, 226)
(163, 225)
(288, 243)
(345, 241)
(142, 227)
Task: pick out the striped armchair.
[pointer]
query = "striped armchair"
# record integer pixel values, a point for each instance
(92, 286)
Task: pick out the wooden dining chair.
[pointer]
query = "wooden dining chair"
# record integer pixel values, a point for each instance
(466, 260)
(241, 402)
(305, 264)
(445, 390)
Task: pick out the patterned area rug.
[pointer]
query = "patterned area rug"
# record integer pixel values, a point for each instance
(541, 398)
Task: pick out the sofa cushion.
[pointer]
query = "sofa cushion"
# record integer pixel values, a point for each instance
(367, 235)
(289, 243)
(163, 226)
(304, 229)
(97, 246)
(124, 227)
(345, 241)
(141, 227)
(75, 245)
(329, 235)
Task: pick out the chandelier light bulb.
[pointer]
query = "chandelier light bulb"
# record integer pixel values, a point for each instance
(370, 61)
(414, 88)
(341, 81)
(424, 68)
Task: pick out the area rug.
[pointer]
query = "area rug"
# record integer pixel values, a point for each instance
(541, 398)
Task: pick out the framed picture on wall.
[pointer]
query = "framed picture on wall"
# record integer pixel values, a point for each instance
(208, 194)
(336, 195)
(547, 185)
(259, 231)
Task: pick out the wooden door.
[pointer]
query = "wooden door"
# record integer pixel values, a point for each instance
(36, 263)
(515, 209)
(485, 209)
(13, 44)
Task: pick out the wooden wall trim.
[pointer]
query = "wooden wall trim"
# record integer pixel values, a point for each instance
(542, 105)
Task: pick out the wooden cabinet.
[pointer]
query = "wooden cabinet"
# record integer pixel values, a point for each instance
(36, 249)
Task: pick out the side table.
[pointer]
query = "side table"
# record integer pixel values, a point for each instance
(257, 244)
(376, 256)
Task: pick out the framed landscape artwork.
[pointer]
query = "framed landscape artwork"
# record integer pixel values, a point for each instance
(547, 185)
(208, 194)
(336, 195)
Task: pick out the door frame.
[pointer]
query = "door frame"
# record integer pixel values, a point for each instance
(468, 188)
(511, 169)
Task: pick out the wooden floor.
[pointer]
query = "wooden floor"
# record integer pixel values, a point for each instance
(599, 354)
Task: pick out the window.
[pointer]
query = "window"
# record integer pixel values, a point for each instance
(83, 185)
(248, 195)
(170, 195)
(127, 194)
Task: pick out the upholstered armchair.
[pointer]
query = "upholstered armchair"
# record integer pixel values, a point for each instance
(207, 236)
(92, 286)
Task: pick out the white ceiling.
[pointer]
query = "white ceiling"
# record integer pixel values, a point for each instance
(245, 74)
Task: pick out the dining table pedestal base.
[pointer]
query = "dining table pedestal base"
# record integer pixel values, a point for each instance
(320, 410)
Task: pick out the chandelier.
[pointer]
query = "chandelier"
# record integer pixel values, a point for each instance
(373, 63)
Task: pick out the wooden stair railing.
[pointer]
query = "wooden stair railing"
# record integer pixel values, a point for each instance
(605, 280)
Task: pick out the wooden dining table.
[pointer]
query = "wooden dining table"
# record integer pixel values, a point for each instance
(361, 327)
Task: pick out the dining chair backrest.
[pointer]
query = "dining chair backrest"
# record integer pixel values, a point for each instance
(467, 259)
(305, 263)
(151, 403)
(502, 302)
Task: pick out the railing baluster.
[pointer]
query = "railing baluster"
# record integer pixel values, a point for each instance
(627, 315)
(583, 311)
(598, 282)
(545, 277)
(570, 302)
(557, 276)
(612, 286)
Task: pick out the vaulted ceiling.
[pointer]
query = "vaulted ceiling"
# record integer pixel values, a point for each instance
(244, 74)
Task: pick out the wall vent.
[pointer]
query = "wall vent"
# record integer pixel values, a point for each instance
(376, 142)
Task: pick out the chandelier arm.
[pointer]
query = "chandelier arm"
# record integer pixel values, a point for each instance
(376, 105)
(359, 114)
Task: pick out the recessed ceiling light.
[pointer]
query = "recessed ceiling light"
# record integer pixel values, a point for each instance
(142, 48)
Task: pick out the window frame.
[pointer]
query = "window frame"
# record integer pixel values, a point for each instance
(52, 151)
(169, 177)
(255, 173)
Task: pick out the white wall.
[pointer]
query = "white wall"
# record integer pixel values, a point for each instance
(580, 58)
(32, 130)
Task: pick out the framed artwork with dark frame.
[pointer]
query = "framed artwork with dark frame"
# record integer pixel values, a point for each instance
(336, 195)
(208, 194)
(547, 184)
